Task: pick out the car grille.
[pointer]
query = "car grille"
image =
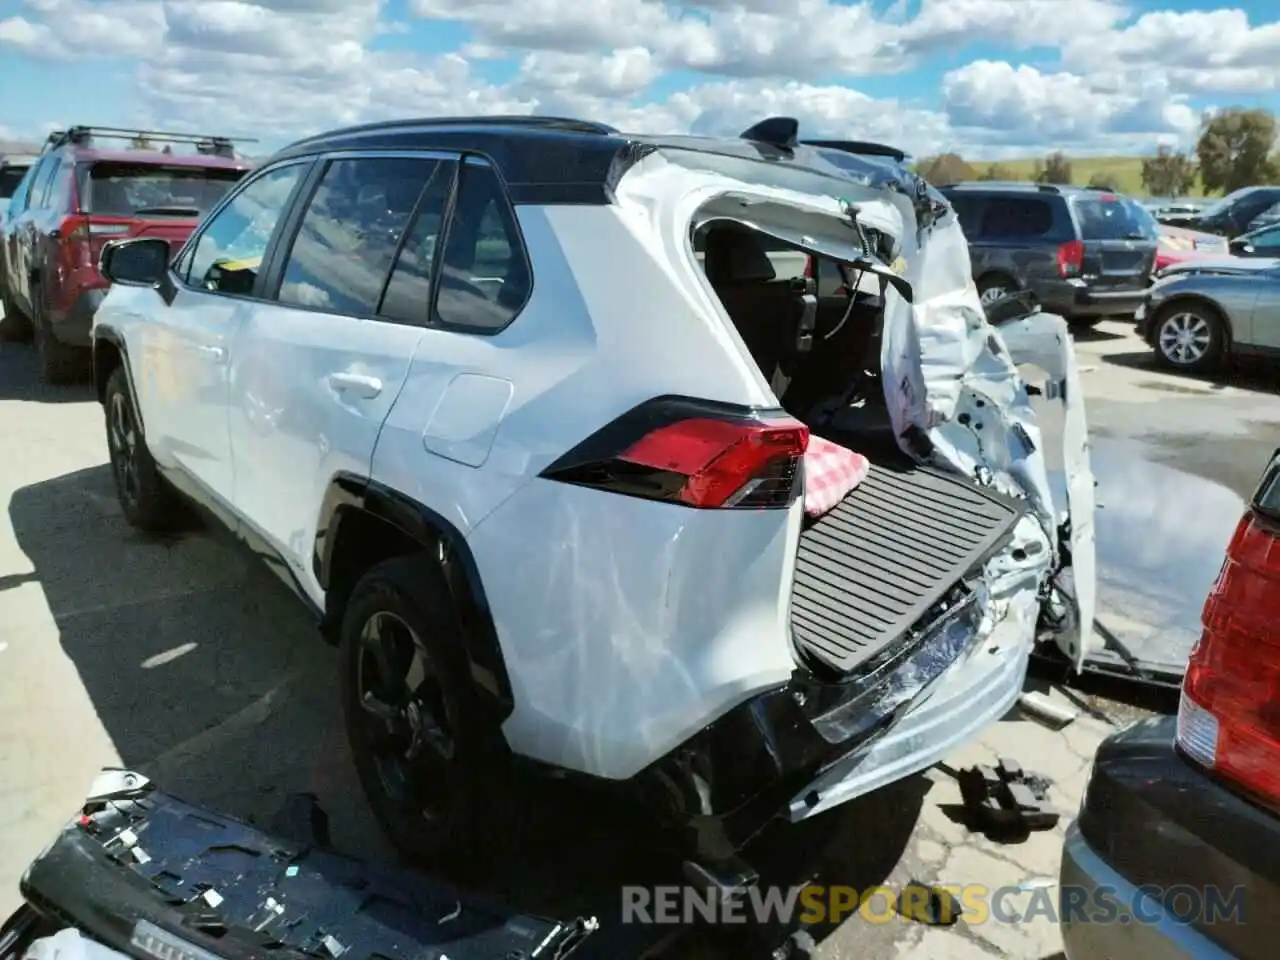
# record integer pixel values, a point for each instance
(871, 568)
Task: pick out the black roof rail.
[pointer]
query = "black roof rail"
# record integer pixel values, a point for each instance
(532, 121)
(861, 147)
(83, 136)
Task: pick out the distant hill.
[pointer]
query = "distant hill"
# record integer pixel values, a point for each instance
(1126, 170)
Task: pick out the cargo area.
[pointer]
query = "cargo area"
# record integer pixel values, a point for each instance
(871, 571)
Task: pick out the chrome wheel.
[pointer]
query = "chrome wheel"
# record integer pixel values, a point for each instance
(406, 724)
(1185, 338)
(122, 440)
(991, 294)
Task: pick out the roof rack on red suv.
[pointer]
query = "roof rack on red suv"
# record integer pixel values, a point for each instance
(86, 136)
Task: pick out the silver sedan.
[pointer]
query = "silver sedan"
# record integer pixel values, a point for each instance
(1199, 311)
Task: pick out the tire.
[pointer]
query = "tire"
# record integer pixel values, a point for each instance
(1189, 337)
(992, 288)
(147, 501)
(13, 325)
(59, 364)
(407, 603)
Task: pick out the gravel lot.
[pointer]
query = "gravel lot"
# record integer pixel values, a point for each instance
(187, 661)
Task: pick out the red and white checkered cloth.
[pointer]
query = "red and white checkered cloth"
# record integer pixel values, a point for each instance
(830, 473)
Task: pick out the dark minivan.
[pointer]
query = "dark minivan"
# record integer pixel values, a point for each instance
(1085, 253)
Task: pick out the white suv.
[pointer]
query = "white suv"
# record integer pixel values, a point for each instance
(522, 409)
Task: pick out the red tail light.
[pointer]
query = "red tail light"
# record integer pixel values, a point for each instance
(1070, 259)
(1229, 717)
(694, 453)
(82, 236)
(810, 268)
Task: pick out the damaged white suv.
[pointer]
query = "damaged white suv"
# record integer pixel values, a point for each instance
(687, 465)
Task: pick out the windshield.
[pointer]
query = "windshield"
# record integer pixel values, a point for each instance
(10, 177)
(1110, 217)
(127, 190)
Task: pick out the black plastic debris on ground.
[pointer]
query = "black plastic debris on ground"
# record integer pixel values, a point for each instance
(1006, 800)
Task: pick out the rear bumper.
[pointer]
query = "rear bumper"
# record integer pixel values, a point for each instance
(1178, 849)
(1103, 915)
(132, 872)
(1076, 299)
(75, 326)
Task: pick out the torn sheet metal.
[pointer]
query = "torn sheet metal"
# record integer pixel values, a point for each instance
(952, 387)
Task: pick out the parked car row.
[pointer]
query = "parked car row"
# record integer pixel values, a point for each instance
(75, 197)
(1239, 212)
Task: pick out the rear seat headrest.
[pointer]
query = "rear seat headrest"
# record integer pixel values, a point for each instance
(737, 255)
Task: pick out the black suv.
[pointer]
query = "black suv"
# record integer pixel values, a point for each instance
(1084, 253)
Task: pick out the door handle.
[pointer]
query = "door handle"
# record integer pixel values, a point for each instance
(217, 353)
(356, 384)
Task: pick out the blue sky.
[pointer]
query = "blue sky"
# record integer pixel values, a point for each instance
(989, 78)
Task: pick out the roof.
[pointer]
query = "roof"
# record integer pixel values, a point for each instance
(549, 159)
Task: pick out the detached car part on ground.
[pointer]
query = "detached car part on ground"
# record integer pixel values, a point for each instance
(142, 874)
(1199, 312)
(624, 479)
(1176, 851)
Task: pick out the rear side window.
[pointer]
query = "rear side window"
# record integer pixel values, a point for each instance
(150, 190)
(1017, 218)
(484, 278)
(351, 231)
(1108, 217)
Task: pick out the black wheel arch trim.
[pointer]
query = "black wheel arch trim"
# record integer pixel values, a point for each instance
(349, 494)
(111, 335)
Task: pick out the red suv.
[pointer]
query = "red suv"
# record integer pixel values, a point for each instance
(76, 198)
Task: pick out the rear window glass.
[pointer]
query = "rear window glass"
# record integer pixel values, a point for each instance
(1108, 217)
(10, 177)
(130, 190)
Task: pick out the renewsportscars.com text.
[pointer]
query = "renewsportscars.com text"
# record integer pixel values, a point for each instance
(973, 903)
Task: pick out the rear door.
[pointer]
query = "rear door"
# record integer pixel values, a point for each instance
(1120, 244)
(317, 366)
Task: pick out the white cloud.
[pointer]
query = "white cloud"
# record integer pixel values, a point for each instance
(1102, 78)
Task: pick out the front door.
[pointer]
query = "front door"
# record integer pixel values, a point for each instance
(316, 369)
(1264, 325)
(186, 359)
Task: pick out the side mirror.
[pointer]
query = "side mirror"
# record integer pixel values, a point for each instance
(1239, 247)
(141, 262)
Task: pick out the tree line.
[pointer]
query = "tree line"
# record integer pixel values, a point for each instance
(1236, 148)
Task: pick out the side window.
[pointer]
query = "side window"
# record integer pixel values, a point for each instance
(484, 279)
(40, 183)
(408, 295)
(1017, 218)
(58, 196)
(1267, 211)
(349, 235)
(227, 256)
(969, 213)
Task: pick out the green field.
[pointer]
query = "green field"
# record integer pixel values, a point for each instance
(1126, 170)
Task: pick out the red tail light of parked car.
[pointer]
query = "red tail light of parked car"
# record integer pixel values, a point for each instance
(1229, 718)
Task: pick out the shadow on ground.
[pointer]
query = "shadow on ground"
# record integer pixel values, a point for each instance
(19, 380)
(1243, 373)
(1093, 335)
(210, 678)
